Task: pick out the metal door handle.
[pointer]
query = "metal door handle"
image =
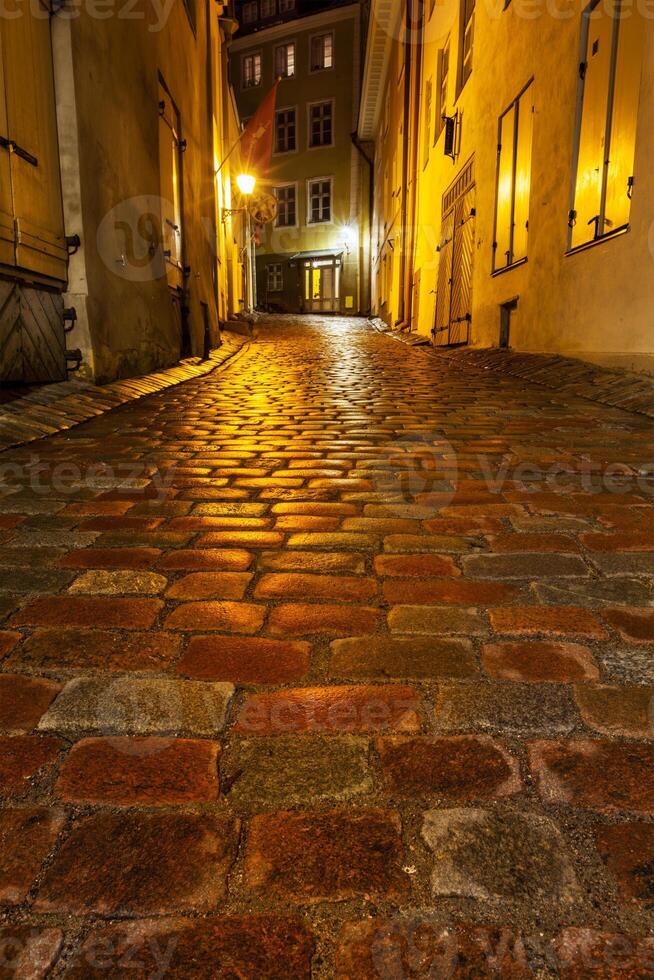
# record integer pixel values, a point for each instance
(13, 147)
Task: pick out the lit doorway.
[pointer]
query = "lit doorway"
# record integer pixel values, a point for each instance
(322, 285)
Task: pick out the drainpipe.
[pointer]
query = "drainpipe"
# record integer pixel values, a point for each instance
(371, 206)
(410, 162)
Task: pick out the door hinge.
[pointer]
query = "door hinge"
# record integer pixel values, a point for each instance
(583, 67)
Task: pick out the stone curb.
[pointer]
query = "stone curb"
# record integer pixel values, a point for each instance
(580, 379)
(53, 408)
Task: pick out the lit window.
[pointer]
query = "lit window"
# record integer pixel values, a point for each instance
(467, 39)
(285, 60)
(322, 52)
(268, 8)
(320, 201)
(286, 206)
(275, 277)
(606, 139)
(286, 6)
(513, 182)
(285, 131)
(251, 70)
(443, 82)
(320, 124)
(250, 12)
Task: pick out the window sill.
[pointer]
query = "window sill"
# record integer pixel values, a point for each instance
(508, 268)
(599, 241)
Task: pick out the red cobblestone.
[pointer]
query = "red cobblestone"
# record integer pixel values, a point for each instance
(303, 619)
(8, 641)
(123, 863)
(333, 856)
(584, 954)
(633, 625)
(241, 539)
(125, 771)
(346, 589)
(331, 709)
(206, 559)
(377, 948)
(23, 700)
(137, 558)
(461, 768)
(448, 592)
(234, 617)
(627, 849)
(535, 662)
(552, 620)
(237, 946)
(526, 543)
(415, 566)
(245, 660)
(95, 649)
(127, 614)
(22, 757)
(600, 775)
(27, 836)
(210, 585)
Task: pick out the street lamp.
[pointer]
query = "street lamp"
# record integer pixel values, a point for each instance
(246, 184)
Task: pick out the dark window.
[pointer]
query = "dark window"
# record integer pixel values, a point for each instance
(286, 206)
(285, 131)
(320, 124)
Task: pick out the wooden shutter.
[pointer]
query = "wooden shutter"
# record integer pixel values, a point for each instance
(444, 286)
(7, 254)
(624, 119)
(592, 135)
(522, 180)
(31, 125)
(170, 188)
(505, 189)
(462, 261)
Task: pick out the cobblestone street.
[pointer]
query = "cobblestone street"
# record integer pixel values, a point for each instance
(334, 663)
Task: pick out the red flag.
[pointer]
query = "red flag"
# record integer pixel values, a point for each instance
(257, 138)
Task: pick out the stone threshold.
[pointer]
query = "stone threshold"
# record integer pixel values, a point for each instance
(568, 375)
(50, 409)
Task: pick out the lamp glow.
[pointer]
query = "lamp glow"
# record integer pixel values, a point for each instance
(246, 183)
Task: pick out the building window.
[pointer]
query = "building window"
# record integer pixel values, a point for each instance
(285, 131)
(426, 123)
(606, 138)
(322, 52)
(275, 277)
(443, 82)
(268, 8)
(513, 182)
(286, 206)
(320, 201)
(467, 40)
(251, 70)
(320, 124)
(285, 60)
(250, 12)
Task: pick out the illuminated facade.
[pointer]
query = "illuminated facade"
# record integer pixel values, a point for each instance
(513, 192)
(311, 258)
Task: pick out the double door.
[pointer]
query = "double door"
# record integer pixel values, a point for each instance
(321, 286)
(455, 267)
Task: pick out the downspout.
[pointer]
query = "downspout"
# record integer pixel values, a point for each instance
(211, 86)
(409, 162)
(371, 206)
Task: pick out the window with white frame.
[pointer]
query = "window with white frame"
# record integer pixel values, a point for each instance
(322, 51)
(250, 12)
(285, 60)
(513, 182)
(320, 201)
(251, 70)
(321, 117)
(286, 206)
(275, 277)
(268, 8)
(285, 131)
(609, 92)
(286, 6)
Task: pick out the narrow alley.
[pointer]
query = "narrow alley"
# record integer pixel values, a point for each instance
(333, 663)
